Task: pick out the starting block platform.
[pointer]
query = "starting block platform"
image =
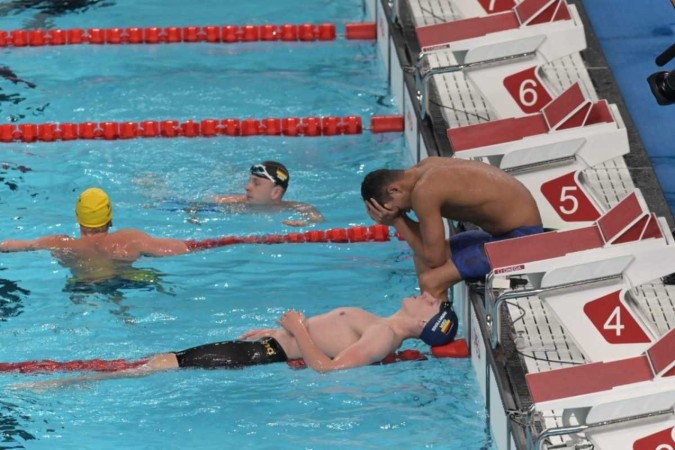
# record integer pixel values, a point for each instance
(585, 301)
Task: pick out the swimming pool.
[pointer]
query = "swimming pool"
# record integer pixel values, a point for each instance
(216, 294)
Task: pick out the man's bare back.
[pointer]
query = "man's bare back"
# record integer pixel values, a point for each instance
(474, 192)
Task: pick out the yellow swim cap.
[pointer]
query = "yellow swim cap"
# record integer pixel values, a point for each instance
(93, 208)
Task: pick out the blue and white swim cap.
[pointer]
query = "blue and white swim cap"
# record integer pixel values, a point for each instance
(442, 328)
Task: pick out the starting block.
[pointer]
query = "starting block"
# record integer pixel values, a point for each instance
(548, 152)
(637, 392)
(584, 276)
(501, 53)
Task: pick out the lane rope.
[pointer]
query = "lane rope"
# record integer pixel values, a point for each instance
(306, 32)
(377, 233)
(109, 130)
(82, 365)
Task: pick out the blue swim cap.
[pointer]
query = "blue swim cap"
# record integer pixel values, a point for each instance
(442, 328)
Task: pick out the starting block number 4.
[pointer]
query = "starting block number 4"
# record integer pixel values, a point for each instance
(614, 322)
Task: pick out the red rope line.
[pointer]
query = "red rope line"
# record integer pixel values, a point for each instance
(168, 35)
(289, 126)
(91, 365)
(190, 34)
(378, 233)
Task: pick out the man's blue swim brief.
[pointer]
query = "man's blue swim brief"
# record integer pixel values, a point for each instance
(468, 253)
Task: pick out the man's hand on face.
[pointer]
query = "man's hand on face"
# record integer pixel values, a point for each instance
(380, 214)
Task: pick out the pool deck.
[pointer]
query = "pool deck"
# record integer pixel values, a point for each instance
(525, 345)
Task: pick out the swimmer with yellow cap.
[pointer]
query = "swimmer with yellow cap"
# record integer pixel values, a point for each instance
(93, 209)
(97, 250)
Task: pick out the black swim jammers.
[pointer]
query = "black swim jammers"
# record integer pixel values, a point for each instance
(232, 354)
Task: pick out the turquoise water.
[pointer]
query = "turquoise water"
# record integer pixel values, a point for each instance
(216, 294)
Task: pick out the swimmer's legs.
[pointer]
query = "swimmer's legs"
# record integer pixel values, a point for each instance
(437, 281)
(162, 361)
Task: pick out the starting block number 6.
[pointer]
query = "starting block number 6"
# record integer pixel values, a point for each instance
(527, 90)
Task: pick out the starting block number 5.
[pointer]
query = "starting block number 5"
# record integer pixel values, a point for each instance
(493, 6)
(663, 440)
(527, 90)
(568, 199)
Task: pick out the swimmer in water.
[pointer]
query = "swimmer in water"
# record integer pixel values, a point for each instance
(8, 74)
(98, 254)
(265, 190)
(47, 9)
(343, 338)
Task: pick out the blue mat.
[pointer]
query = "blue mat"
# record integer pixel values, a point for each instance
(632, 33)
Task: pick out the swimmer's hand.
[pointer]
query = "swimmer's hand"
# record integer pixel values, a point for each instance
(254, 335)
(292, 321)
(295, 223)
(380, 214)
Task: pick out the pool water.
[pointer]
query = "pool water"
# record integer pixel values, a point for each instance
(216, 294)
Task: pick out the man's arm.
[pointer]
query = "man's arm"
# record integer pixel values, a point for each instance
(42, 243)
(433, 247)
(229, 199)
(309, 212)
(148, 245)
(405, 226)
(375, 344)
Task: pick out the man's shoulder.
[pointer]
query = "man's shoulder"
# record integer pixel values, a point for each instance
(127, 233)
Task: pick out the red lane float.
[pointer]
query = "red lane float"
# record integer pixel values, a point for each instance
(86, 365)
(306, 32)
(377, 233)
(387, 124)
(455, 349)
(292, 126)
(365, 30)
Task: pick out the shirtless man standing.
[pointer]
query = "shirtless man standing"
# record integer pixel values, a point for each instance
(454, 189)
(97, 254)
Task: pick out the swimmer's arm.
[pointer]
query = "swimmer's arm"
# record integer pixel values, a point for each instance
(254, 335)
(433, 248)
(375, 344)
(148, 245)
(308, 212)
(164, 247)
(42, 243)
(229, 199)
(407, 228)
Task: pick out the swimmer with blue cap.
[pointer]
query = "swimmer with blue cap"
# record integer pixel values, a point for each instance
(98, 254)
(267, 184)
(343, 338)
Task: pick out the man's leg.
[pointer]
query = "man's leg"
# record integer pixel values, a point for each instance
(163, 361)
(437, 281)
